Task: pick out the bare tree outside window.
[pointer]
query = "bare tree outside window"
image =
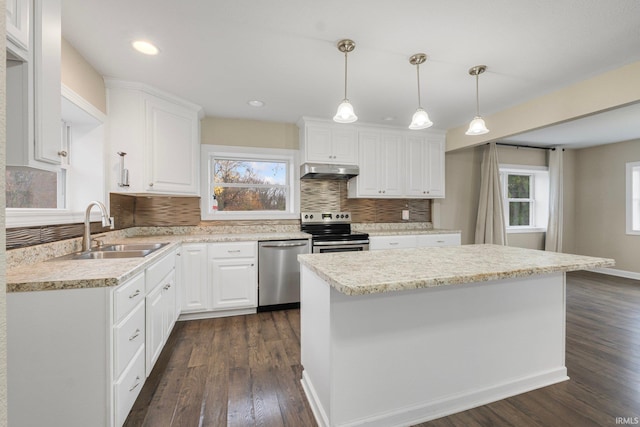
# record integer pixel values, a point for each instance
(248, 185)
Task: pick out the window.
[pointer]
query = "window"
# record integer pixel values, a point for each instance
(525, 191)
(243, 183)
(633, 198)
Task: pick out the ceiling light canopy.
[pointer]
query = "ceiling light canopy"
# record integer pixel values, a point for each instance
(477, 125)
(345, 113)
(145, 47)
(420, 118)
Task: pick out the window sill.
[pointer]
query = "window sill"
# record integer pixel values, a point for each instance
(526, 230)
(37, 217)
(257, 216)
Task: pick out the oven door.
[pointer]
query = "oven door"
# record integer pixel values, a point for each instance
(327, 247)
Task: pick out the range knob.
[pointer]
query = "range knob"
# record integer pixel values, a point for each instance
(306, 217)
(311, 216)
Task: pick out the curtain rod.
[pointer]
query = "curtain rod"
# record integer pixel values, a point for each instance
(526, 146)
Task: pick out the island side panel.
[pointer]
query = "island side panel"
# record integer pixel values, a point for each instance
(410, 356)
(315, 343)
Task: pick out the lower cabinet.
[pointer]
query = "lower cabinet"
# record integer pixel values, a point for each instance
(218, 278)
(414, 241)
(79, 357)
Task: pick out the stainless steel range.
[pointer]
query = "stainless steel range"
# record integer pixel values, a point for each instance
(331, 232)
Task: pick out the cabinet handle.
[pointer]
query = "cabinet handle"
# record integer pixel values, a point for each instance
(393, 243)
(135, 335)
(251, 265)
(133, 387)
(379, 191)
(135, 294)
(178, 254)
(151, 184)
(63, 153)
(439, 241)
(233, 251)
(167, 286)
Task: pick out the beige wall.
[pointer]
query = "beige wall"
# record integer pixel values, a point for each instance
(249, 133)
(82, 78)
(3, 259)
(460, 207)
(600, 205)
(600, 93)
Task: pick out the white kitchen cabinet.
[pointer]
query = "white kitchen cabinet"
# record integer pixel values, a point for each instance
(196, 295)
(18, 13)
(392, 242)
(430, 240)
(414, 241)
(425, 172)
(79, 355)
(234, 275)
(381, 161)
(323, 142)
(160, 135)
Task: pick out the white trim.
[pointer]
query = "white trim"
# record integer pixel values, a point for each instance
(630, 166)
(618, 273)
(293, 178)
(539, 205)
(215, 314)
(523, 230)
(33, 217)
(82, 103)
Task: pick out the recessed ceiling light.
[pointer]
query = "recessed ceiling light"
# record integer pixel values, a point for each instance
(388, 118)
(256, 103)
(145, 47)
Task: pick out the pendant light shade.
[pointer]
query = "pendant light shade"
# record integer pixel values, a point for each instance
(477, 125)
(420, 118)
(345, 113)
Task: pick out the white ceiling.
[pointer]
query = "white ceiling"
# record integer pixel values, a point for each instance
(222, 53)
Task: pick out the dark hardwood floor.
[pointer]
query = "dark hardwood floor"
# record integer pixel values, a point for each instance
(245, 370)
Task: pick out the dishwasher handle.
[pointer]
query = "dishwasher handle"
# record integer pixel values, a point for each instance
(283, 245)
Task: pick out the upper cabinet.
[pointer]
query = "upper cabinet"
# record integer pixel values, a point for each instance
(18, 12)
(381, 161)
(160, 135)
(425, 163)
(323, 142)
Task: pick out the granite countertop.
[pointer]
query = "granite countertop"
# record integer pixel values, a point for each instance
(361, 273)
(57, 274)
(407, 232)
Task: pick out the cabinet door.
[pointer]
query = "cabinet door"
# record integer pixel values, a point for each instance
(368, 182)
(172, 147)
(417, 164)
(155, 328)
(391, 165)
(18, 22)
(429, 240)
(436, 169)
(234, 283)
(169, 301)
(344, 143)
(193, 278)
(318, 145)
(392, 242)
(47, 51)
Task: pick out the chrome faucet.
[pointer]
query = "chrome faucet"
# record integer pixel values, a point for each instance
(106, 222)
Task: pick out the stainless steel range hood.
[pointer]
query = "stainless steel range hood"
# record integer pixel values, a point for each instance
(325, 171)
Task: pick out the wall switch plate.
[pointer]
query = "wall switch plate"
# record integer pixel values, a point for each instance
(405, 214)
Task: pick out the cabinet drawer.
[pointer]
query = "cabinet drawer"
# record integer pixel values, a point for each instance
(128, 296)
(439, 240)
(233, 250)
(128, 386)
(128, 337)
(392, 242)
(159, 270)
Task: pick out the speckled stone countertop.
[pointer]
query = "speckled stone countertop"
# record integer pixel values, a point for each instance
(403, 232)
(361, 273)
(56, 274)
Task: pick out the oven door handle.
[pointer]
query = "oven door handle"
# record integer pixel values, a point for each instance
(346, 242)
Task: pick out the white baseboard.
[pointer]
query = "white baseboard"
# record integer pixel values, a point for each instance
(441, 408)
(215, 314)
(618, 273)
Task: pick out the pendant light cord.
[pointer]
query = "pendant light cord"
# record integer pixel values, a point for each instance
(477, 97)
(345, 74)
(418, 76)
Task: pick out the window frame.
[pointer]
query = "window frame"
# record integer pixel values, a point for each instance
(538, 197)
(632, 167)
(290, 157)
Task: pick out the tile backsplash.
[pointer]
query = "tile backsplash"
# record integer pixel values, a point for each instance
(323, 195)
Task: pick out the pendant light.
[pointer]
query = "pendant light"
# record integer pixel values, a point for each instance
(345, 112)
(420, 118)
(477, 126)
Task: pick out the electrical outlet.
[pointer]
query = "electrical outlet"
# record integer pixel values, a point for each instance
(405, 214)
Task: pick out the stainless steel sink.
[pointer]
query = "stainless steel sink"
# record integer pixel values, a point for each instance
(116, 251)
(130, 247)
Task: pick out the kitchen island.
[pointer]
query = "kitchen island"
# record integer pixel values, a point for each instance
(398, 337)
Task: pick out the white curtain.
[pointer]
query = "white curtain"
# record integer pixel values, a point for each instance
(553, 240)
(490, 226)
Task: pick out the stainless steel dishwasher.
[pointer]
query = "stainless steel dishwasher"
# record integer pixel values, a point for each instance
(279, 273)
